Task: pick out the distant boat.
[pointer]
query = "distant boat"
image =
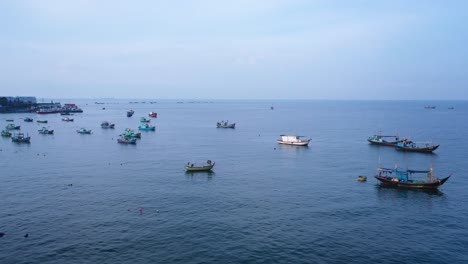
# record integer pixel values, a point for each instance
(27, 119)
(127, 140)
(13, 127)
(10, 120)
(83, 131)
(6, 133)
(429, 107)
(153, 114)
(401, 178)
(144, 120)
(20, 138)
(272, 108)
(293, 140)
(107, 124)
(410, 146)
(380, 140)
(204, 167)
(67, 119)
(129, 133)
(130, 113)
(45, 131)
(451, 108)
(226, 124)
(65, 113)
(41, 121)
(147, 127)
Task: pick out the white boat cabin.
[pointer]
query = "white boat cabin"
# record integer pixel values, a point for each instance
(293, 139)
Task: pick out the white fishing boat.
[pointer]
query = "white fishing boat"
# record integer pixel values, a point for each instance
(294, 140)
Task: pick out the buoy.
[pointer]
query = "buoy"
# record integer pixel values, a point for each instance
(26, 235)
(362, 178)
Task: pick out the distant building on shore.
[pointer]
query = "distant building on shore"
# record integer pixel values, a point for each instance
(10, 104)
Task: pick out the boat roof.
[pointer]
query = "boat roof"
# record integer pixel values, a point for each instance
(408, 170)
(290, 136)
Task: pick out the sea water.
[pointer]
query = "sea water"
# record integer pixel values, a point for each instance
(88, 199)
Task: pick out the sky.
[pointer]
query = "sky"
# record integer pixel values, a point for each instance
(243, 49)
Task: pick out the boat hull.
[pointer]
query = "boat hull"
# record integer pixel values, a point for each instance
(421, 150)
(204, 168)
(303, 143)
(389, 181)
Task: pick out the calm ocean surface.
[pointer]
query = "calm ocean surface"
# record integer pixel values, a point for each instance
(263, 203)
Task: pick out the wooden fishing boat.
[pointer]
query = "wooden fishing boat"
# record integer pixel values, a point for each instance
(42, 121)
(27, 119)
(205, 167)
(293, 140)
(127, 140)
(20, 138)
(410, 146)
(12, 127)
(380, 140)
(401, 178)
(153, 114)
(83, 131)
(107, 124)
(45, 131)
(130, 113)
(223, 124)
(6, 133)
(67, 119)
(147, 127)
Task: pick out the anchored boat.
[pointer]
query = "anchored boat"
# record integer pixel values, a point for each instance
(129, 133)
(226, 124)
(12, 127)
(20, 138)
(6, 133)
(84, 131)
(45, 131)
(402, 178)
(130, 113)
(424, 147)
(381, 140)
(126, 140)
(107, 124)
(294, 140)
(204, 167)
(153, 114)
(147, 127)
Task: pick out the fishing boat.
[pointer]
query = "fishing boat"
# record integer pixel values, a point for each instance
(67, 119)
(27, 119)
(451, 108)
(6, 133)
(107, 124)
(13, 127)
(410, 146)
(126, 140)
(204, 167)
(42, 121)
(20, 138)
(153, 114)
(429, 107)
(131, 134)
(10, 120)
(293, 140)
(147, 127)
(130, 113)
(226, 124)
(381, 140)
(401, 178)
(84, 131)
(45, 131)
(144, 120)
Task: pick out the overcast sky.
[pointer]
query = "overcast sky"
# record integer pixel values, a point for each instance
(242, 49)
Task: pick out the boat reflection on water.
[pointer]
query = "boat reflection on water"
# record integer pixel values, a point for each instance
(405, 192)
(208, 175)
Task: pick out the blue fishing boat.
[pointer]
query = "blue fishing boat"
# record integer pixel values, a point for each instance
(126, 140)
(410, 146)
(20, 138)
(28, 119)
(130, 113)
(107, 124)
(402, 178)
(45, 131)
(147, 127)
(83, 131)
